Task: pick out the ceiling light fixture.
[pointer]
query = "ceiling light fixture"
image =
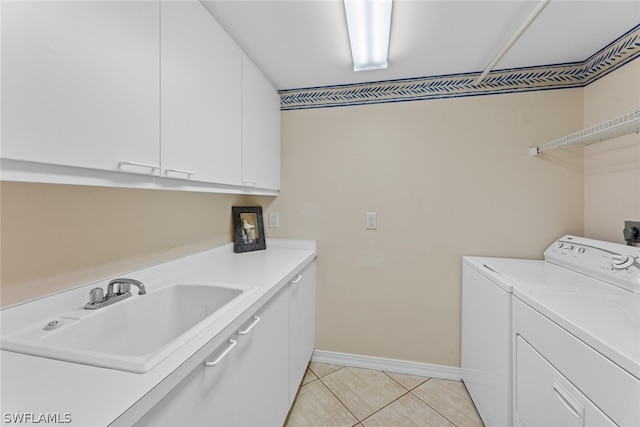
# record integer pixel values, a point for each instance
(369, 23)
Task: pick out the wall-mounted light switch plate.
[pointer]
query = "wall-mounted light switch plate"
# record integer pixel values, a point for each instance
(274, 220)
(372, 221)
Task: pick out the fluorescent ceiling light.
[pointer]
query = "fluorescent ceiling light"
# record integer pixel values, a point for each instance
(369, 22)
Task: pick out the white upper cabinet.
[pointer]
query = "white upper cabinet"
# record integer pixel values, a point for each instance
(200, 96)
(156, 88)
(80, 83)
(260, 129)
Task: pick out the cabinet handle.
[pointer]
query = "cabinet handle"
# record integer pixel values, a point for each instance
(256, 319)
(250, 183)
(139, 165)
(232, 343)
(568, 401)
(188, 173)
(296, 280)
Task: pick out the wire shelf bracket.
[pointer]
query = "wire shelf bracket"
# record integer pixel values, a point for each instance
(622, 125)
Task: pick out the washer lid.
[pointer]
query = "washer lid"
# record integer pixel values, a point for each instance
(509, 273)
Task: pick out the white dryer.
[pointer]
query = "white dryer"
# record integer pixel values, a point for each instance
(539, 336)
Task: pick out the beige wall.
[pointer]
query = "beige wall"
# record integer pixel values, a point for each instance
(447, 178)
(612, 169)
(55, 237)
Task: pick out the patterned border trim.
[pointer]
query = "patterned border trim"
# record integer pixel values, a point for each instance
(579, 74)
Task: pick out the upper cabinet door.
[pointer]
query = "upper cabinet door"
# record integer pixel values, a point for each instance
(80, 83)
(200, 96)
(260, 129)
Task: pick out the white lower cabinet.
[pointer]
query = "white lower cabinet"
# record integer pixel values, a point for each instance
(253, 375)
(260, 390)
(241, 383)
(302, 325)
(201, 399)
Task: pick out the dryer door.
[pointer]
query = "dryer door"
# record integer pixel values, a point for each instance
(544, 397)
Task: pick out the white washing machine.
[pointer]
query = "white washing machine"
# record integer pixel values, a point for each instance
(537, 336)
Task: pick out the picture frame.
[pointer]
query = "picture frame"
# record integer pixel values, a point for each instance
(248, 228)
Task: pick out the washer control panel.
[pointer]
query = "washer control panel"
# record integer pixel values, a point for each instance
(613, 263)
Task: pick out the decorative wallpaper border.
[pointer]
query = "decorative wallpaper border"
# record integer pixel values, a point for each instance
(578, 74)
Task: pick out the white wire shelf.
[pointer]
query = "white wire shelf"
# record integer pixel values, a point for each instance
(623, 125)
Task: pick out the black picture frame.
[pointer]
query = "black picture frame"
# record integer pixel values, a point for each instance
(248, 229)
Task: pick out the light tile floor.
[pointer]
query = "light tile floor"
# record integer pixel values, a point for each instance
(337, 396)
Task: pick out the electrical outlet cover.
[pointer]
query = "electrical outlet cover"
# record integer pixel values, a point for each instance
(372, 221)
(274, 220)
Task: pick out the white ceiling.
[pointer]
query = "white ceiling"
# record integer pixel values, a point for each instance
(304, 43)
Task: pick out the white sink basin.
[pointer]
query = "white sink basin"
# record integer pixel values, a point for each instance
(131, 335)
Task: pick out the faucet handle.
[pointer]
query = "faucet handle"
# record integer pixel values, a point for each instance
(96, 295)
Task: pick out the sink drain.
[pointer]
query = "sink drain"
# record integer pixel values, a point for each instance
(53, 325)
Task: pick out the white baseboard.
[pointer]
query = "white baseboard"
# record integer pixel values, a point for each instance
(389, 365)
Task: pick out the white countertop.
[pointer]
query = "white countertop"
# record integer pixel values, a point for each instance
(93, 396)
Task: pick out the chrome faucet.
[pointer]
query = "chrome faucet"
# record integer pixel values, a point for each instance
(117, 290)
(124, 285)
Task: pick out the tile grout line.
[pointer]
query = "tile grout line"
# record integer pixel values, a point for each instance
(359, 421)
(438, 412)
(408, 391)
(388, 404)
(406, 388)
(336, 396)
(331, 391)
(318, 376)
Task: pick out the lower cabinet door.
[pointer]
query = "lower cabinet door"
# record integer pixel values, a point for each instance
(244, 382)
(203, 398)
(302, 326)
(261, 386)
